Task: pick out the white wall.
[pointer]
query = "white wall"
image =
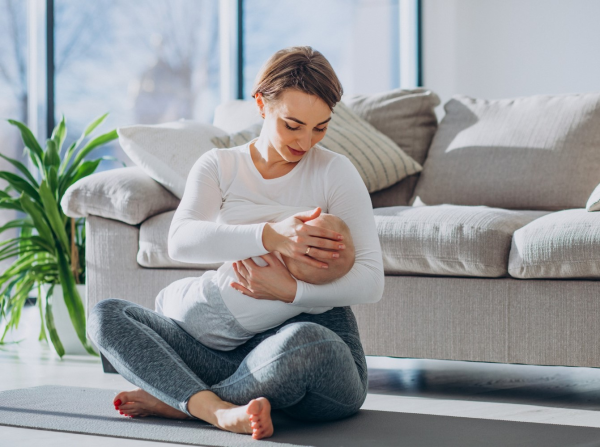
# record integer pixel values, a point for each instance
(506, 48)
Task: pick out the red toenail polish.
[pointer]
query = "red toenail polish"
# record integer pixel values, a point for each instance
(118, 402)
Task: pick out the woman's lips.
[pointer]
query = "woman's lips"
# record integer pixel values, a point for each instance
(295, 152)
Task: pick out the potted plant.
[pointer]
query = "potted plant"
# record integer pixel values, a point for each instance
(50, 246)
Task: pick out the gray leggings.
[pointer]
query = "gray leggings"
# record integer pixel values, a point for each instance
(311, 366)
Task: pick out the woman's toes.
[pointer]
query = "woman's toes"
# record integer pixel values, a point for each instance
(254, 407)
(123, 397)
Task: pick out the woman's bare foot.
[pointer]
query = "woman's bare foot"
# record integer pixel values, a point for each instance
(253, 418)
(139, 403)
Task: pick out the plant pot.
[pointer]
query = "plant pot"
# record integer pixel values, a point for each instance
(62, 320)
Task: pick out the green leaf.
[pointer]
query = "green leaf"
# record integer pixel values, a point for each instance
(93, 144)
(65, 161)
(86, 168)
(95, 123)
(42, 335)
(16, 223)
(51, 157)
(73, 301)
(20, 184)
(54, 217)
(59, 134)
(28, 138)
(12, 204)
(54, 338)
(42, 243)
(37, 215)
(88, 130)
(53, 180)
(66, 180)
(21, 167)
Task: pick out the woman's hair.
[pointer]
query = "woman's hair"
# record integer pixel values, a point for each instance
(301, 68)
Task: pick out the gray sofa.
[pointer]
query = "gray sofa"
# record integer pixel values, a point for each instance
(490, 254)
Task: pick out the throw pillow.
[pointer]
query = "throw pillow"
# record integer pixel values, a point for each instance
(593, 203)
(125, 194)
(379, 161)
(406, 116)
(536, 152)
(167, 152)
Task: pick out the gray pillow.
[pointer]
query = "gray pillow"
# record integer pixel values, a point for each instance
(537, 152)
(407, 116)
(125, 194)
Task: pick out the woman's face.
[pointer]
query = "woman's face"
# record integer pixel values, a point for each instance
(294, 123)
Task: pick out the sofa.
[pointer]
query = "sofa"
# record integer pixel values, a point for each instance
(491, 252)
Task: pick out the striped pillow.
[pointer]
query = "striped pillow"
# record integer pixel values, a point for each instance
(379, 161)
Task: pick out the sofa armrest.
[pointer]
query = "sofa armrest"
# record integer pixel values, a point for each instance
(125, 194)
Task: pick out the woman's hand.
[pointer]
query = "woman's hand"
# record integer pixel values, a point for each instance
(272, 282)
(291, 237)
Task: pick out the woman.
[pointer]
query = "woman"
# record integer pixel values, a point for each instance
(312, 366)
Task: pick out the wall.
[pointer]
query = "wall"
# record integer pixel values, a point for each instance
(506, 48)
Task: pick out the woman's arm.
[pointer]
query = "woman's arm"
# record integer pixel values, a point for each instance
(194, 235)
(348, 199)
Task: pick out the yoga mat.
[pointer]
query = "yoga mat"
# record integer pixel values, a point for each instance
(90, 411)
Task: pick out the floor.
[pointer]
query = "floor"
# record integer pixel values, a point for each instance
(546, 394)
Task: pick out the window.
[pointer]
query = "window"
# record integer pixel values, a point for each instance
(360, 38)
(13, 93)
(145, 62)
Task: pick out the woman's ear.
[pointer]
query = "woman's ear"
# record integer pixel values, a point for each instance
(260, 103)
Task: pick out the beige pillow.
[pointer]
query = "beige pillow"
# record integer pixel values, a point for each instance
(407, 116)
(535, 152)
(379, 161)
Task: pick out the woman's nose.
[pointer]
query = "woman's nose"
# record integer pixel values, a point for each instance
(304, 142)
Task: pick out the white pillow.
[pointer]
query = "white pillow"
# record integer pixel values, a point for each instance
(593, 203)
(379, 161)
(167, 152)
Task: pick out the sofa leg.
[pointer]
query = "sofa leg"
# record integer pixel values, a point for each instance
(107, 367)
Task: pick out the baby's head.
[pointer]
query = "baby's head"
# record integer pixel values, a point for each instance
(338, 267)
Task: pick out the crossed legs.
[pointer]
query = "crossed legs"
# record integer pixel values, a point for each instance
(304, 368)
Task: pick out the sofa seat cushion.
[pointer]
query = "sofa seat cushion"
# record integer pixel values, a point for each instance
(152, 250)
(448, 240)
(564, 244)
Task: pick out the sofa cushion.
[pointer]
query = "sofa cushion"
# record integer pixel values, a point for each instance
(564, 244)
(407, 116)
(448, 240)
(538, 152)
(152, 251)
(378, 160)
(125, 194)
(167, 152)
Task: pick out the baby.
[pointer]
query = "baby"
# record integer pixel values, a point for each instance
(210, 310)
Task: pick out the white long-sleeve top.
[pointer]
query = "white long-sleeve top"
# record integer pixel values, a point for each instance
(225, 206)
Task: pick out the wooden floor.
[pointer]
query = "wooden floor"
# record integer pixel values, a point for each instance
(545, 394)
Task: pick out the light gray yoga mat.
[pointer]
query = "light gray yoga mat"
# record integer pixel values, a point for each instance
(90, 411)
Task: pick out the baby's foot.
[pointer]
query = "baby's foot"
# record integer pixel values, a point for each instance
(253, 418)
(139, 403)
